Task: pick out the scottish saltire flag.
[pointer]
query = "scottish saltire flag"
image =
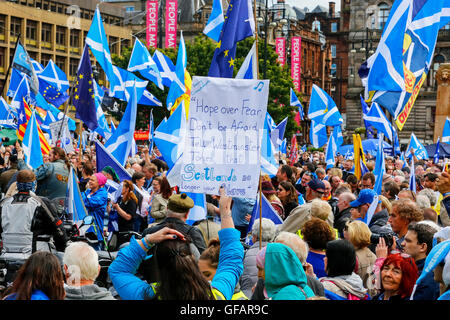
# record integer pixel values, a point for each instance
(402, 157)
(38, 68)
(105, 158)
(54, 76)
(214, 25)
(364, 168)
(151, 129)
(103, 128)
(249, 68)
(277, 134)
(74, 203)
(165, 66)
(16, 77)
(120, 143)
(337, 136)
(147, 99)
(23, 92)
(396, 143)
(123, 84)
(446, 131)
(330, 152)
(365, 110)
(270, 122)
(318, 134)
(412, 177)
(376, 118)
(113, 127)
(198, 212)
(32, 144)
(419, 149)
(98, 43)
(84, 94)
(169, 136)
(267, 211)
(141, 61)
(380, 167)
(177, 87)
(436, 153)
(269, 164)
(404, 54)
(6, 116)
(295, 102)
(322, 108)
(283, 146)
(22, 62)
(303, 148)
(239, 24)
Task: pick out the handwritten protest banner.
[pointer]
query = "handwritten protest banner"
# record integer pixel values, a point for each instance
(223, 139)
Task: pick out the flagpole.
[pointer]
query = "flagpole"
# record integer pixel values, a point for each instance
(256, 39)
(10, 64)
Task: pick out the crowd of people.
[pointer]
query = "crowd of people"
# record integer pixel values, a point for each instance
(335, 239)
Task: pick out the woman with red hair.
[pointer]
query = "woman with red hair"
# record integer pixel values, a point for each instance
(398, 274)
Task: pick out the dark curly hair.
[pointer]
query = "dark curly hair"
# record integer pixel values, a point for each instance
(212, 253)
(317, 233)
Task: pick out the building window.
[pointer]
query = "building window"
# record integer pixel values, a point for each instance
(47, 33)
(113, 41)
(74, 38)
(333, 69)
(334, 27)
(60, 37)
(129, 8)
(73, 67)
(383, 14)
(61, 62)
(16, 26)
(2, 60)
(2, 27)
(31, 33)
(333, 50)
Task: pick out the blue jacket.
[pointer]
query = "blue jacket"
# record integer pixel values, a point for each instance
(242, 207)
(96, 206)
(35, 295)
(130, 287)
(427, 289)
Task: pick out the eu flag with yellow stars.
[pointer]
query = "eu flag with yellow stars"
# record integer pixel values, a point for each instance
(84, 95)
(52, 94)
(239, 24)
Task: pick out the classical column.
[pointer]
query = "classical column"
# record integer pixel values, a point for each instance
(443, 99)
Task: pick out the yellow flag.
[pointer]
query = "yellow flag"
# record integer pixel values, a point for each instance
(358, 154)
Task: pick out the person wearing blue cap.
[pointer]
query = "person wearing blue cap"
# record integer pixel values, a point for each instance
(378, 224)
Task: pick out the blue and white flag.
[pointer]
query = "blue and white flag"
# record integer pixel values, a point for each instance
(446, 131)
(123, 84)
(337, 136)
(322, 108)
(364, 168)
(283, 147)
(120, 143)
(267, 211)
(270, 122)
(365, 110)
(32, 144)
(318, 134)
(6, 116)
(436, 153)
(380, 167)
(104, 158)
(54, 76)
(169, 136)
(419, 150)
(98, 43)
(396, 143)
(331, 152)
(141, 61)
(23, 91)
(277, 134)
(113, 127)
(269, 164)
(22, 62)
(74, 203)
(214, 25)
(198, 212)
(151, 129)
(376, 118)
(249, 68)
(177, 87)
(16, 77)
(295, 102)
(412, 177)
(147, 99)
(165, 66)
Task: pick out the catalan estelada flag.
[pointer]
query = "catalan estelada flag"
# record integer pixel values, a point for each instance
(24, 116)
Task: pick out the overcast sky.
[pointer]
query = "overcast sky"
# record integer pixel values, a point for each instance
(311, 4)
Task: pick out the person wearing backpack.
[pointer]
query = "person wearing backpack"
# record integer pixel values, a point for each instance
(342, 283)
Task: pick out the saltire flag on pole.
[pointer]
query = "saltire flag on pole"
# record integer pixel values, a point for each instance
(22, 62)
(337, 136)
(22, 91)
(295, 102)
(249, 68)
(318, 134)
(7, 118)
(330, 152)
(74, 203)
(365, 110)
(419, 150)
(358, 155)
(277, 134)
(151, 129)
(446, 131)
(215, 22)
(270, 122)
(141, 61)
(405, 53)
(53, 84)
(379, 166)
(24, 116)
(98, 43)
(412, 177)
(267, 211)
(177, 87)
(165, 66)
(32, 144)
(322, 108)
(239, 24)
(269, 164)
(376, 118)
(104, 158)
(120, 142)
(198, 212)
(14, 81)
(84, 93)
(436, 153)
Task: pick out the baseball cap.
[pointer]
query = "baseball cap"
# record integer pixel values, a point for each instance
(317, 185)
(365, 196)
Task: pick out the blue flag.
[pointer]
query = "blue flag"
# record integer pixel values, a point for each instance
(32, 144)
(151, 129)
(120, 143)
(55, 77)
(380, 167)
(376, 118)
(412, 177)
(365, 110)
(419, 149)
(436, 153)
(446, 131)
(239, 24)
(269, 164)
(330, 152)
(322, 108)
(295, 102)
(198, 212)
(337, 136)
(177, 87)
(74, 203)
(123, 85)
(165, 66)
(84, 95)
(141, 61)
(277, 134)
(318, 134)
(249, 68)
(270, 122)
(16, 77)
(6, 116)
(214, 25)
(267, 211)
(104, 159)
(22, 62)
